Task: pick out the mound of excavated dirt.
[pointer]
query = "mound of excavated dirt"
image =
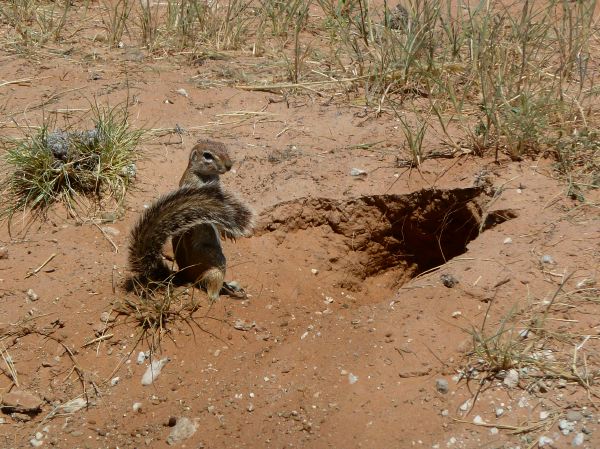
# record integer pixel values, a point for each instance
(407, 234)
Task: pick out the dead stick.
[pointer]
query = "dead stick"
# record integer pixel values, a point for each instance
(37, 270)
(96, 340)
(108, 238)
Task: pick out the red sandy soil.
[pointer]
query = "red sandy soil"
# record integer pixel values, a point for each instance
(332, 359)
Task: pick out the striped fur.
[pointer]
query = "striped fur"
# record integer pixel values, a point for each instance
(177, 212)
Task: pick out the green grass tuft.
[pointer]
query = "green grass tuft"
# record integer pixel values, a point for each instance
(48, 166)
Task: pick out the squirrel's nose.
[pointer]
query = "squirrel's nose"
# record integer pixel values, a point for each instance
(228, 164)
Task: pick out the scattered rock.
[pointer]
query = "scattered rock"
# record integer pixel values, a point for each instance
(35, 442)
(507, 241)
(574, 415)
(137, 407)
(110, 230)
(242, 325)
(141, 357)
(465, 405)
(565, 426)
(499, 412)
(545, 441)
(357, 172)
(182, 430)
(511, 380)
(3, 252)
(153, 371)
(448, 280)
(182, 92)
(441, 385)
(32, 296)
(494, 430)
(106, 318)
(314, 271)
(172, 421)
(19, 401)
(352, 378)
(578, 440)
(114, 381)
(73, 405)
(21, 417)
(478, 420)
(544, 414)
(547, 259)
(250, 407)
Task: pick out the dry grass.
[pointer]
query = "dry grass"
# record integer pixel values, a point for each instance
(537, 345)
(154, 308)
(49, 165)
(512, 79)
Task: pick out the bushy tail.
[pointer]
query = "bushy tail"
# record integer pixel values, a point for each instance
(176, 213)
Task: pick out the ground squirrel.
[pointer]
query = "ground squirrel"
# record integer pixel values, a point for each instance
(194, 216)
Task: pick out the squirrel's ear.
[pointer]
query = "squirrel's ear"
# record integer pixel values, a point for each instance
(194, 155)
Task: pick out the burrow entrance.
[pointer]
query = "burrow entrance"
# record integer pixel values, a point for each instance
(372, 234)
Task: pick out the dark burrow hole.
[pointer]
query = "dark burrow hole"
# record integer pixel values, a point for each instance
(372, 234)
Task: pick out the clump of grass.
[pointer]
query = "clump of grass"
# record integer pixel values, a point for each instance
(35, 22)
(514, 81)
(153, 308)
(116, 19)
(48, 166)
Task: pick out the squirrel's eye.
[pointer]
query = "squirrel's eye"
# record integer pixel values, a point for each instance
(206, 155)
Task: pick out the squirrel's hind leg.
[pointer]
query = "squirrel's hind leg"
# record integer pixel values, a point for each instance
(212, 280)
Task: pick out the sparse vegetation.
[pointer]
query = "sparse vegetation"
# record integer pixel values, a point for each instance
(510, 81)
(525, 340)
(154, 309)
(49, 165)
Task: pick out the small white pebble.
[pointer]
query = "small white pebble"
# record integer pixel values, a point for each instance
(357, 172)
(352, 378)
(578, 440)
(546, 258)
(499, 412)
(544, 414)
(494, 431)
(137, 407)
(507, 241)
(115, 380)
(314, 271)
(478, 420)
(465, 405)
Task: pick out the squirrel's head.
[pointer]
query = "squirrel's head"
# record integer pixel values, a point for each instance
(209, 157)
